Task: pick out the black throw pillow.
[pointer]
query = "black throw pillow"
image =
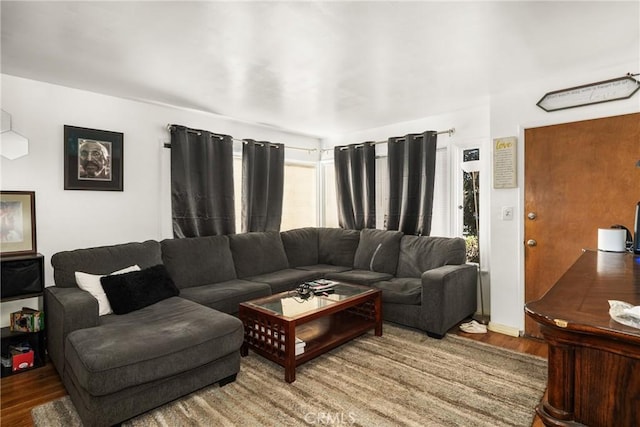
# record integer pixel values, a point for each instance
(135, 290)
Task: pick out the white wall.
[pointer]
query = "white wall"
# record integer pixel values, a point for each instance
(511, 114)
(75, 219)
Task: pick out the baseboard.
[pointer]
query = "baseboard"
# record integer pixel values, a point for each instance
(503, 329)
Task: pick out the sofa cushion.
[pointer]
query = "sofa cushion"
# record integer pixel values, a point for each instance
(132, 291)
(323, 269)
(257, 253)
(421, 253)
(158, 341)
(198, 261)
(286, 279)
(400, 291)
(103, 260)
(337, 246)
(378, 250)
(360, 277)
(301, 246)
(91, 283)
(226, 296)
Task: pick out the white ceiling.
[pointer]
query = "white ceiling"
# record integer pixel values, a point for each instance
(319, 68)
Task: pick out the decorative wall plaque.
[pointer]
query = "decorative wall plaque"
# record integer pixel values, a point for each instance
(592, 93)
(504, 162)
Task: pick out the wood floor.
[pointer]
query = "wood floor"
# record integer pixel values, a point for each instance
(21, 392)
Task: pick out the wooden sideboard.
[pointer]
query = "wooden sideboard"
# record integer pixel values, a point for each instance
(594, 361)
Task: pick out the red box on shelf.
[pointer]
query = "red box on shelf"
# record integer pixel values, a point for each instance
(22, 360)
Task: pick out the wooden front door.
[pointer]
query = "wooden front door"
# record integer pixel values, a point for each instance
(579, 177)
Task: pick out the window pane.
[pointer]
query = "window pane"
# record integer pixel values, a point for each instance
(299, 207)
(441, 203)
(382, 192)
(330, 203)
(237, 191)
(471, 155)
(471, 198)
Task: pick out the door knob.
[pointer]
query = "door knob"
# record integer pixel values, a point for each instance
(532, 215)
(531, 242)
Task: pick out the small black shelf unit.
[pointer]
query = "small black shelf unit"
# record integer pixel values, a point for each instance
(22, 277)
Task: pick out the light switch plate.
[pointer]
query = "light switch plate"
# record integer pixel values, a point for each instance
(507, 213)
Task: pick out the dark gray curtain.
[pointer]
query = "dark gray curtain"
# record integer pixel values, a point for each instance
(356, 185)
(262, 185)
(201, 183)
(412, 165)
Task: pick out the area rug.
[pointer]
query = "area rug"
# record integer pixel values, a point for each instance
(401, 378)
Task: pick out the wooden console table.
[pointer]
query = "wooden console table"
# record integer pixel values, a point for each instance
(594, 361)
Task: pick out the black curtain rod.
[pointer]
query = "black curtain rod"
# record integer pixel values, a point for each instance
(262, 144)
(197, 131)
(448, 131)
(219, 136)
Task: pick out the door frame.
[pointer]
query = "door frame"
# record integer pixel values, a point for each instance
(484, 207)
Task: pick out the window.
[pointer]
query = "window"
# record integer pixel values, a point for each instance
(330, 213)
(441, 200)
(237, 190)
(471, 202)
(441, 209)
(382, 192)
(299, 205)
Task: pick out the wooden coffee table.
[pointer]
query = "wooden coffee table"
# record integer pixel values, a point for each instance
(322, 322)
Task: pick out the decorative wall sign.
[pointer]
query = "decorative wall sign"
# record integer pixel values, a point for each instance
(17, 222)
(93, 159)
(504, 162)
(592, 93)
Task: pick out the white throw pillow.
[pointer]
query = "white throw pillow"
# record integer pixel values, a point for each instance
(91, 283)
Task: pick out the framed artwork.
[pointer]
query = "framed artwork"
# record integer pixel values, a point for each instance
(93, 159)
(17, 222)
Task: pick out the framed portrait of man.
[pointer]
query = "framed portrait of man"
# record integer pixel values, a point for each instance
(93, 159)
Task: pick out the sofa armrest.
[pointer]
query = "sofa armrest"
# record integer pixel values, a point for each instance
(67, 309)
(449, 294)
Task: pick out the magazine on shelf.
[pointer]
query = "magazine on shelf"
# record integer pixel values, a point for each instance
(300, 345)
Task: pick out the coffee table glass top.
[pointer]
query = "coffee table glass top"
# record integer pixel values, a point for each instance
(291, 304)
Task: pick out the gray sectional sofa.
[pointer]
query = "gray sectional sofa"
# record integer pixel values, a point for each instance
(180, 332)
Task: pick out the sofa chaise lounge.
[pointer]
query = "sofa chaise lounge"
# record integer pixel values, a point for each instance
(186, 336)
